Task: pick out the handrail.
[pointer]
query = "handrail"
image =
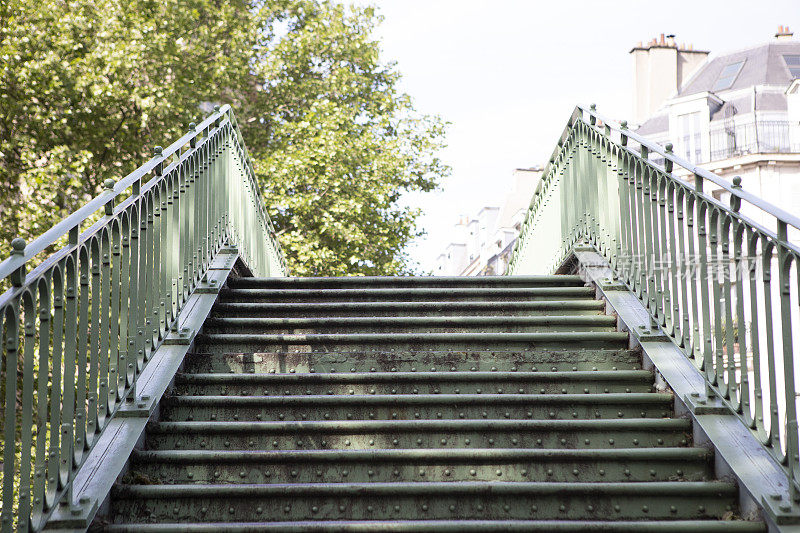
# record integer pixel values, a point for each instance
(717, 280)
(78, 330)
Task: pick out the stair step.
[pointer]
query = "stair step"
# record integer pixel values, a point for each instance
(586, 382)
(452, 526)
(403, 434)
(462, 324)
(419, 406)
(445, 465)
(391, 308)
(382, 360)
(406, 281)
(457, 500)
(544, 340)
(438, 294)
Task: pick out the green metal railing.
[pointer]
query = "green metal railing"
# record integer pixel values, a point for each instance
(79, 328)
(719, 278)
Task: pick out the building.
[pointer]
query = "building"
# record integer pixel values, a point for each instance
(482, 244)
(736, 113)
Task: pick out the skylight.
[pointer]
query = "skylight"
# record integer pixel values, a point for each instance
(728, 76)
(793, 64)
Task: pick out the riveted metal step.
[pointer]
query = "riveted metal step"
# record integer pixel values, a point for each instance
(488, 405)
(458, 500)
(429, 294)
(404, 434)
(406, 281)
(445, 465)
(413, 361)
(410, 324)
(292, 384)
(250, 343)
(390, 308)
(453, 526)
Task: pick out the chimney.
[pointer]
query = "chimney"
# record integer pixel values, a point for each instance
(783, 34)
(660, 68)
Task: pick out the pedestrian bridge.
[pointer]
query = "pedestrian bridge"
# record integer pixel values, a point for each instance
(634, 371)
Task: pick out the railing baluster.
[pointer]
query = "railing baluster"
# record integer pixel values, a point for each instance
(714, 279)
(80, 327)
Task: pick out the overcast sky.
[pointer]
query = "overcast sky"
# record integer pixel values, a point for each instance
(507, 73)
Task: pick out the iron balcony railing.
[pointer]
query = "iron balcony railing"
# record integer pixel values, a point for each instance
(79, 328)
(723, 286)
(762, 137)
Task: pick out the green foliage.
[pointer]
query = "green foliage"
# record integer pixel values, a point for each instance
(88, 88)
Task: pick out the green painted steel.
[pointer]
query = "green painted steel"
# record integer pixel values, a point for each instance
(720, 278)
(417, 421)
(79, 328)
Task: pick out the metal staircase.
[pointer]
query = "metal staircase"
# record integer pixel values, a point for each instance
(417, 404)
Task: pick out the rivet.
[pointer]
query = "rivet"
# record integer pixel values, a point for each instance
(549, 472)
(424, 507)
(452, 508)
(562, 508)
(345, 473)
(611, 441)
(287, 509)
(467, 441)
(473, 472)
(341, 508)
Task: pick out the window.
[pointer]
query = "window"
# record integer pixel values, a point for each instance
(689, 146)
(793, 64)
(728, 76)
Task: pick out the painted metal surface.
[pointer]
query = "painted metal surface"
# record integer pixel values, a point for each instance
(346, 432)
(720, 279)
(80, 328)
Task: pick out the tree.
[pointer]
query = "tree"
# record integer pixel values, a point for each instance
(88, 88)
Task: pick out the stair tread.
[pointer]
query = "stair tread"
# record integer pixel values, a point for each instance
(681, 488)
(421, 376)
(424, 455)
(429, 399)
(454, 526)
(644, 424)
(421, 291)
(410, 280)
(548, 320)
(355, 338)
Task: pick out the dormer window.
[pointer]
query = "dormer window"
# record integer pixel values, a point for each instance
(728, 76)
(793, 64)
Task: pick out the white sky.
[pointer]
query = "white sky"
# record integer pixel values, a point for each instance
(507, 74)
